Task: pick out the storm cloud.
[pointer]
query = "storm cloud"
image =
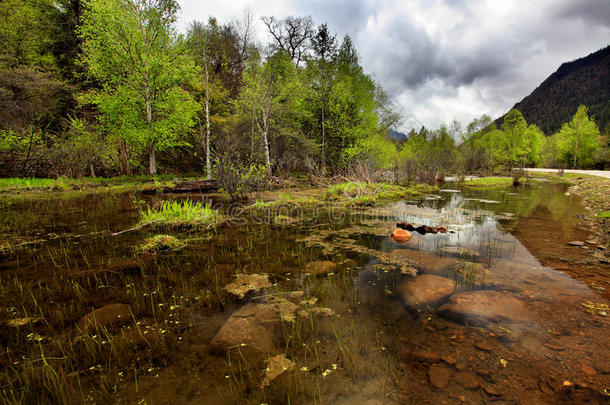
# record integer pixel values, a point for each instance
(446, 59)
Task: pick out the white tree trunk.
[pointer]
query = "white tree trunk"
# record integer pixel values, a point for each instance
(208, 164)
(152, 161)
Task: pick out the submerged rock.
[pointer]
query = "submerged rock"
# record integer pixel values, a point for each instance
(112, 315)
(321, 267)
(401, 236)
(425, 290)
(439, 376)
(276, 366)
(244, 283)
(576, 243)
(253, 325)
(15, 323)
(460, 251)
(484, 306)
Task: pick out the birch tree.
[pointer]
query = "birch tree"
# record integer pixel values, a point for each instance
(132, 49)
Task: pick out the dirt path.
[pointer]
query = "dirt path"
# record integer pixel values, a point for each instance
(599, 173)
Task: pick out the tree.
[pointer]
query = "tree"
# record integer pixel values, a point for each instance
(291, 35)
(272, 96)
(578, 140)
(131, 47)
(325, 48)
(516, 143)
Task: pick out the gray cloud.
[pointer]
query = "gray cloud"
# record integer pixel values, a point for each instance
(445, 59)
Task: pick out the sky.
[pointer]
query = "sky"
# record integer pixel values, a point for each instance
(441, 60)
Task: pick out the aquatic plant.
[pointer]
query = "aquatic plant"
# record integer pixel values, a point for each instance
(180, 214)
(158, 243)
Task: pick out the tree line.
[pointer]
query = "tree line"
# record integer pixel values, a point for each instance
(112, 87)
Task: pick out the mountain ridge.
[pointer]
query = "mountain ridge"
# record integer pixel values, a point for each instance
(582, 81)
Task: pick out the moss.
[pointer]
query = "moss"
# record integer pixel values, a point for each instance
(604, 214)
(283, 220)
(159, 243)
(180, 214)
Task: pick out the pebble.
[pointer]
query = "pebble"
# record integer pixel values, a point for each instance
(486, 347)
(468, 381)
(439, 376)
(426, 356)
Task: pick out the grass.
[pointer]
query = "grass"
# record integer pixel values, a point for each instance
(180, 214)
(67, 183)
(603, 214)
(488, 182)
(362, 193)
(159, 243)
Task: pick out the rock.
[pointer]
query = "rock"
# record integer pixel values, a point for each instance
(276, 366)
(468, 381)
(252, 324)
(321, 267)
(426, 356)
(602, 367)
(576, 243)
(245, 283)
(486, 347)
(491, 391)
(401, 236)
(460, 251)
(425, 290)
(439, 375)
(484, 306)
(588, 369)
(112, 315)
(15, 323)
(449, 360)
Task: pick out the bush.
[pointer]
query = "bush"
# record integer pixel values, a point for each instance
(238, 180)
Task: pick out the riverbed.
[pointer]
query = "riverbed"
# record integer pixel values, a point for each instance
(509, 305)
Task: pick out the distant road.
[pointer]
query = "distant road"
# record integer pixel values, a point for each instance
(600, 173)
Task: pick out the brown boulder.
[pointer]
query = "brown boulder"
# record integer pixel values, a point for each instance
(321, 267)
(425, 290)
(439, 376)
(481, 307)
(251, 325)
(112, 315)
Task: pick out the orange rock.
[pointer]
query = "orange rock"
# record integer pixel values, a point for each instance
(401, 236)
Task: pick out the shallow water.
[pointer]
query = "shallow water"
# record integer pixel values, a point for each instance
(533, 342)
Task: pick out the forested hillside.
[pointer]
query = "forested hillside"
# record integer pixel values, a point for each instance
(583, 81)
(112, 87)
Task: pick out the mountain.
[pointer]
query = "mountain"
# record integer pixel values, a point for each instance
(396, 136)
(583, 81)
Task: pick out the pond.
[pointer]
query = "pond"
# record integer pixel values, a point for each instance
(501, 307)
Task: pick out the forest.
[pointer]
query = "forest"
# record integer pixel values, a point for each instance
(112, 87)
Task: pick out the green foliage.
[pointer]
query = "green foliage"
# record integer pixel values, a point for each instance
(237, 179)
(180, 214)
(131, 48)
(516, 143)
(578, 140)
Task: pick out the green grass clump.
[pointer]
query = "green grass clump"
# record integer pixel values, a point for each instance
(603, 214)
(489, 182)
(356, 190)
(180, 214)
(285, 201)
(160, 243)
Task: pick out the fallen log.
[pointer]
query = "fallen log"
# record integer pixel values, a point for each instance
(422, 229)
(193, 186)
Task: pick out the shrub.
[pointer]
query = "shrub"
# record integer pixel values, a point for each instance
(238, 180)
